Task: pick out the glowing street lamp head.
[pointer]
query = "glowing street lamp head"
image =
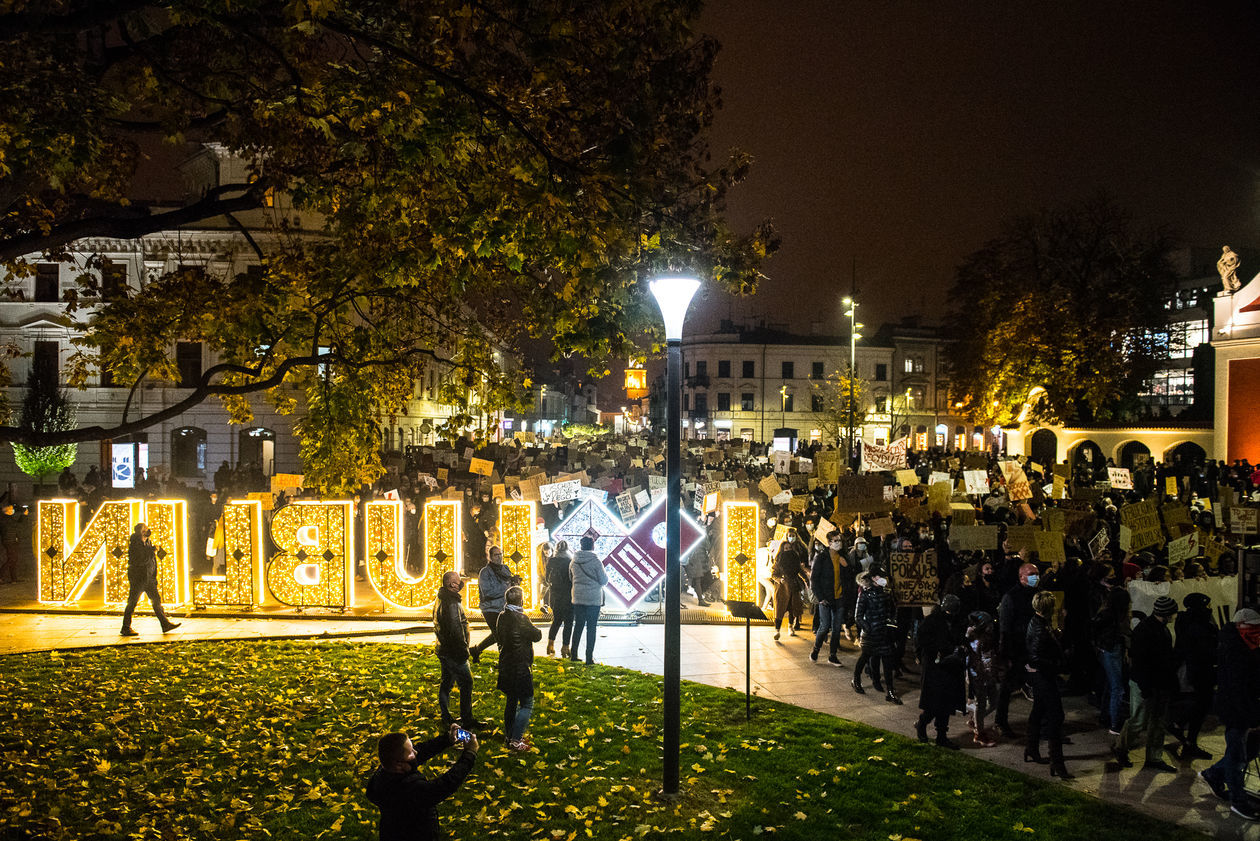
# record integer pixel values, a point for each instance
(673, 295)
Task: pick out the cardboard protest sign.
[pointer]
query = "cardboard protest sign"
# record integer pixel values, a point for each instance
(625, 506)
(780, 533)
(975, 461)
(798, 503)
(936, 476)
(1126, 538)
(977, 481)
(805, 465)
(1142, 518)
(643, 499)
(1054, 519)
(443, 474)
(907, 478)
(1120, 478)
(782, 461)
(1050, 548)
(1099, 543)
(828, 466)
(824, 528)
(781, 498)
(558, 492)
(938, 497)
(1183, 548)
(1243, 520)
(861, 494)
(481, 466)
(973, 538)
(655, 481)
(962, 514)
(914, 578)
(283, 481)
(1175, 516)
(1017, 487)
(498, 492)
(891, 457)
(1021, 537)
(770, 487)
(882, 527)
(1063, 471)
(1058, 488)
(1170, 485)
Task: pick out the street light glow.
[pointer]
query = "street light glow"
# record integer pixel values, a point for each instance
(673, 295)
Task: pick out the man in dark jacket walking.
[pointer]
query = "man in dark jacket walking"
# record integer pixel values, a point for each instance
(517, 636)
(408, 801)
(1237, 708)
(450, 626)
(1014, 614)
(826, 580)
(142, 576)
(941, 647)
(1153, 682)
(12, 529)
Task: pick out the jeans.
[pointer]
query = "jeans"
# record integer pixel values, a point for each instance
(1232, 765)
(516, 717)
(561, 616)
(828, 620)
(1112, 663)
(492, 621)
(585, 617)
(455, 672)
(1147, 714)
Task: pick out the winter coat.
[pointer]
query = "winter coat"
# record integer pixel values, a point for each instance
(450, 626)
(789, 562)
(1042, 649)
(876, 614)
(1014, 614)
(492, 584)
(822, 575)
(1197, 641)
(1110, 631)
(559, 580)
(408, 802)
(1237, 681)
(984, 665)
(516, 636)
(943, 655)
(1152, 661)
(141, 559)
(588, 577)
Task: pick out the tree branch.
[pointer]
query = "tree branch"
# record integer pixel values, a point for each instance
(91, 14)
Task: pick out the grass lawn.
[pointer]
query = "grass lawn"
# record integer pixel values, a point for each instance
(276, 739)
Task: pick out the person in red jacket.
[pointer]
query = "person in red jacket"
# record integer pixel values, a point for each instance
(407, 799)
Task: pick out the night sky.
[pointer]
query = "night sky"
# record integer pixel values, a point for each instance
(902, 134)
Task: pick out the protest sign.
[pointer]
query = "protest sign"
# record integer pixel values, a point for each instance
(977, 481)
(1142, 518)
(935, 477)
(1175, 516)
(962, 514)
(823, 529)
(782, 461)
(1050, 548)
(643, 499)
(1243, 520)
(558, 492)
(798, 503)
(655, 481)
(914, 578)
(781, 498)
(973, 538)
(284, 481)
(780, 533)
(1058, 488)
(1017, 487)
(882, 527)
(805, 465)
(860, 494)
(938, 497)
(1120, 478)
(443, 474)
(1183, 548)
(625, 506)
(828, 466)
(770, 487)
(1054, 519)
(481, 466)
(1126, 538)
(907, 478)
(263, 497)
(1021, 537)
(1170, 485)
(1099, 543)
(498, 492)
(891, 457)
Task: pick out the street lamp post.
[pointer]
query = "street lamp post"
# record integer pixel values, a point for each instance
(673, 296)
(851, 312)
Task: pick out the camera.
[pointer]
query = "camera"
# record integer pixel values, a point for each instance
(462, 735)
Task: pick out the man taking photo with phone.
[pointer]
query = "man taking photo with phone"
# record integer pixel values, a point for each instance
(407, 799)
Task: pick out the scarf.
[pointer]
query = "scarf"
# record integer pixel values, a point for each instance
(1250, 635)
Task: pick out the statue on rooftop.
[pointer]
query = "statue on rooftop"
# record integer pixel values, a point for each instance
(1227, 266)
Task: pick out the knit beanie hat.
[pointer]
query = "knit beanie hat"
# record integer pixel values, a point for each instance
(1164, 606)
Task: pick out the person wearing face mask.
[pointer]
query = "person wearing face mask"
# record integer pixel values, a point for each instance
(875, 612)
(1237, 708)
(1044, 662)
(1014, 614)
(789, 582)
(826, 582)
(982, 594)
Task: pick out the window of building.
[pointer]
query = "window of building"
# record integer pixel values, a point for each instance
(881, 372)
(748, 369)
(787, 402)
(686, 402)
(702, 403)
(46, 362)
(914, 365)
(188, 452)
(188, 362)
(47, 282)
(113, 280)
(1170, 388)
(746, 402)
(724, 369)
(815, 403)
(724, 401)
(789, 371)
(1185, 337)
(816, 371)
(915, 398)
(702, 368)
(815, 436)
(686, 370)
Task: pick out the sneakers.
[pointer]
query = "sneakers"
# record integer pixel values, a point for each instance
(1159, 767)
(1245, 811)
(1217, 786)
(127, 632)
(776, 633)
(518, 745)
(813, 655)
(170, 626)
(857, 687)
(834, 660)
